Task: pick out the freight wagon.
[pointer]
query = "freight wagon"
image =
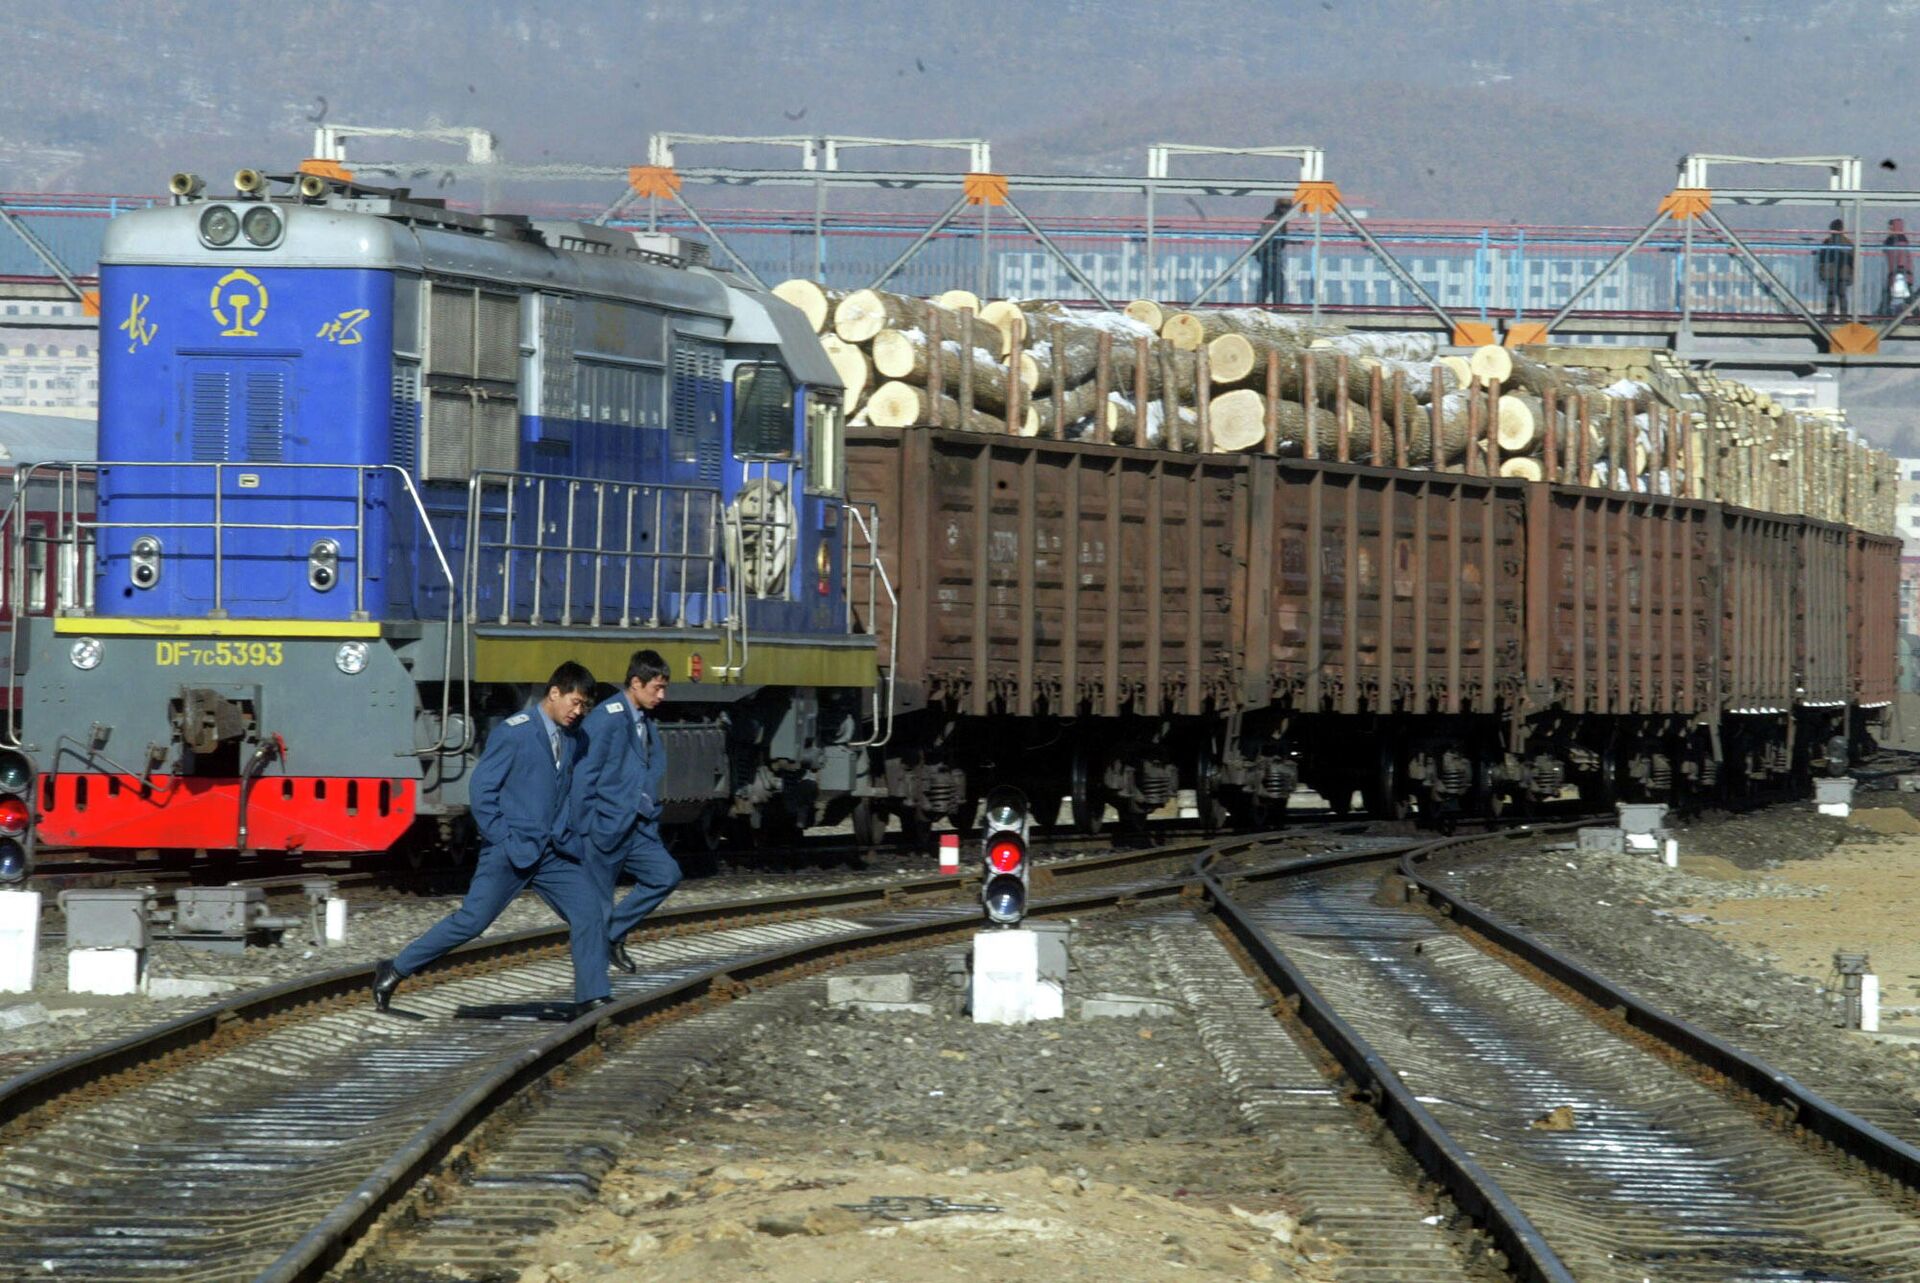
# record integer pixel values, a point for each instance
(1110, 625)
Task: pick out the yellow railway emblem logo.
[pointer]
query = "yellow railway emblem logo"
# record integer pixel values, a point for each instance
(238, 308)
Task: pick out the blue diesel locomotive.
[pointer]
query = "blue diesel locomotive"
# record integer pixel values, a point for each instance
(369, 467)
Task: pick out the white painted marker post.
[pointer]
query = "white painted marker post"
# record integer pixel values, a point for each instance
(19, 939)
(1870, 1003)
(949, 853)
(336, 919)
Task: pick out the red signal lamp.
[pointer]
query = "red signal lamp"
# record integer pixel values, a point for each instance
(1004, 856)
(14, 816)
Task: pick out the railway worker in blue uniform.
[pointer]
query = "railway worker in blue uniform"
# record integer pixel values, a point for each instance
(519, 797)
(616, 800)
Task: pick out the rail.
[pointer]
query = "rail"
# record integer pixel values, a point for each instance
(75, 533)
(659, 541)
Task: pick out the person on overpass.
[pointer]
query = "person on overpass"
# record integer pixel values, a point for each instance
(1899, 267)
(1271, 257)
(1833, 263)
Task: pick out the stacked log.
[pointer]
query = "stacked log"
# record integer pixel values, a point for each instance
(1247, 380)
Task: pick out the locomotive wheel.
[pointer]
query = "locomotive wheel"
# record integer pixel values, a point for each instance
(869, 823)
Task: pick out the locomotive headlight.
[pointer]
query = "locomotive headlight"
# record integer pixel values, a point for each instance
(323, 565)
(261, 225)
(85, 653)
(351, 658)
(219, 225)
(143, 562)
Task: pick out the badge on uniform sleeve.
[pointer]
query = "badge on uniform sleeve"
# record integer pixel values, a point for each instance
(516, 719)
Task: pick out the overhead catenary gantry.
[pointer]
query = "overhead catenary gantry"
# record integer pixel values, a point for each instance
(1692, 202)
(663, 180)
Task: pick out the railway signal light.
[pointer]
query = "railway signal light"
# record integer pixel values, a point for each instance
(16, 815)
(1004, 850)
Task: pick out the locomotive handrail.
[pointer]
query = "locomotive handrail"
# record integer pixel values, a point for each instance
(876, 574)
(74, 526)
(510, 483)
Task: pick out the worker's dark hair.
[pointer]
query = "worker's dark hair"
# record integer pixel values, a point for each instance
(572, 679)
(1281, 204)
(1837, 225)
(645, 666)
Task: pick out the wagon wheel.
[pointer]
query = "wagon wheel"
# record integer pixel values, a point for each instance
(1384, 792)
(1488, 799)
(1089, 800)
(1207, 801)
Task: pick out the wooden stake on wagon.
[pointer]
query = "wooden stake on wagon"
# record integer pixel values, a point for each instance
(1550, 446)
(1399, 417)
(1140, 381)
(1016, 395)
(1310, 444)
(1273, 402)
(1169, 401)
(1493, 429)
(967, 324)
(1377, 446)
(1341, 406)
(936, 353)
(1056, 347)
(1436, 413)
(1102, 388)
(1202, 394)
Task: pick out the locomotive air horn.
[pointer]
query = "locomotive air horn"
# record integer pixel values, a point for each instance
(312, 186)
(184, 184)
(249, 182)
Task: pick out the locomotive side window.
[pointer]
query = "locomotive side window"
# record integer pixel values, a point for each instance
(762, 412)
(826, 459)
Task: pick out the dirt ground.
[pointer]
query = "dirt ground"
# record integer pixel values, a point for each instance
(703, 1208)
(1859, 897)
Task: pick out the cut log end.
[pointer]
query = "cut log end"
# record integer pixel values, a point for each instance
(959, 301)
(1490, 363)
(1524, 468)
(1232, 358)
(859, 316)
(1184, 330)
(814, 302)
(1148, 313)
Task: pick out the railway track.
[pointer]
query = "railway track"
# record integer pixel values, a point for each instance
(297, 1111)
(1586, 1134)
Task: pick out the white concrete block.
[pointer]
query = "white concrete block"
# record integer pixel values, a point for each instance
(892, 1008)
(1834, 796)
(1051, 939)
(197, 986)
(1670, 854)
(1124, 1006)
(1642, 842)
(842, 990)
(1008, 988)
(336, 925)
(1609, 840)
(1641, 817)
(19, 939)
(103, 971)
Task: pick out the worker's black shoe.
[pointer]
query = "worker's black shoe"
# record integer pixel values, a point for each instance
(622, 960)
(385, 980)
(592, 1004)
